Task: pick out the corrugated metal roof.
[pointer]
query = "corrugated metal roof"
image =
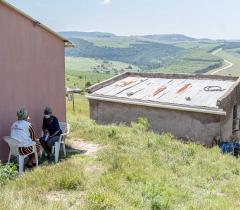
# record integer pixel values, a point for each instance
(187, 92)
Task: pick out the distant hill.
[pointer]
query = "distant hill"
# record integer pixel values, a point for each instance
(156, 37)
(144, 54)
(76, 34)
(165, 52)
(170, 37)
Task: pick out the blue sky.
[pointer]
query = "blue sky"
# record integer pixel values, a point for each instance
(199, 18)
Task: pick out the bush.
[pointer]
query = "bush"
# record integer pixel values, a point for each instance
(7, 172)
(88, 84)
(141, 124)
(112, 133)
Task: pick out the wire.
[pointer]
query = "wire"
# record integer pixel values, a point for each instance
(213, 88)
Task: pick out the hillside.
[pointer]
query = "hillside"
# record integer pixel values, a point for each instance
(170, 38)
(99, 56)
(133, 169)
(77, 34)
(146, 55)
(158, 37)
(166, 53)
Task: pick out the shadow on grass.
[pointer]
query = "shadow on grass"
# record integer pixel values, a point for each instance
(44, 161)
(72, 151)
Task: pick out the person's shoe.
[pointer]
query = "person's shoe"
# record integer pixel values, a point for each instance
(39, 163)
(52, 158)
(30, 167)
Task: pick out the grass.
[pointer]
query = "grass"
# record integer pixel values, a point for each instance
(7, 172)
(79, 79)
(115, 42)
(88, 64)
(190, 67)
(192, 61)
(135, 169)
(80, 71)
(234, 58)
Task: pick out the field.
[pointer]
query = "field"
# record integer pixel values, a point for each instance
(234, 58)
(81, 79)
(82, 71)
(144, 54)
(90, 64)
(134, 169)
(194, 61)
(114, 42)
(164, 53)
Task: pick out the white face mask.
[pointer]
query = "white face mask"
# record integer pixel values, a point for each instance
(47, 116)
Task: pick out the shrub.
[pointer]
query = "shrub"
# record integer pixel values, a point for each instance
(141, 124)
(7, 172)
(88, 84)
(112, 133)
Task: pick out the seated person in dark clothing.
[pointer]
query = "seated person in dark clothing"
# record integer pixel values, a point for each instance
(51, 130)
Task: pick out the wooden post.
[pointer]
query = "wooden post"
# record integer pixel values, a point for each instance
(73, 102)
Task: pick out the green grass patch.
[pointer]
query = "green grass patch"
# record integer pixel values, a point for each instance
(135, 169)
(233, 57)
(7, 172)
(195, 60)
(79, 79)
(91, 64)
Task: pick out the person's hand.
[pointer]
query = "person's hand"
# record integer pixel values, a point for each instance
(46, 132)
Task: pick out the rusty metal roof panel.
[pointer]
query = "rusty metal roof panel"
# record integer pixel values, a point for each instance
(189, 91)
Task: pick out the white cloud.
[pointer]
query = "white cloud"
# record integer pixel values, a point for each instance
(107, 1)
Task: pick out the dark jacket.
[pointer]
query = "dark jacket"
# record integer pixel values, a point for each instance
(52, 126)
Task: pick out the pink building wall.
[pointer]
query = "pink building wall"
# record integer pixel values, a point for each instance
(31, 72)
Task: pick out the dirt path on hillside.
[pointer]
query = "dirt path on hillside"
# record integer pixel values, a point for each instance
(83, 147)
(229, 64)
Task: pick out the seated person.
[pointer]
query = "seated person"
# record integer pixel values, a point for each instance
(51, 130)
(22, 131)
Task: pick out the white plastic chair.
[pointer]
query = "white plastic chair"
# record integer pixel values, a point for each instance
(14, 146)
(65, 127)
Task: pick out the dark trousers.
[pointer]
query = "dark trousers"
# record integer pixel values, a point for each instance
(47, 145)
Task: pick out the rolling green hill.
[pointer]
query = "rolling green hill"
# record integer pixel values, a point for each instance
(144, 54)
(166, 53)
(98, 56)
(77, 34)
(170, 37)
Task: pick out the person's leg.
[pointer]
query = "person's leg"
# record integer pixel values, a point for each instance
(27, 151)
(39, 148)
(39, 152)
(51, 141)
(31, 159)
(45, 146)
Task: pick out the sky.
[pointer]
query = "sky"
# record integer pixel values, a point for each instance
(216, 19)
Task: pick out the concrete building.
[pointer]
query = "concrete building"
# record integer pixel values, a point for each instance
(32, 70)
(196, 107)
